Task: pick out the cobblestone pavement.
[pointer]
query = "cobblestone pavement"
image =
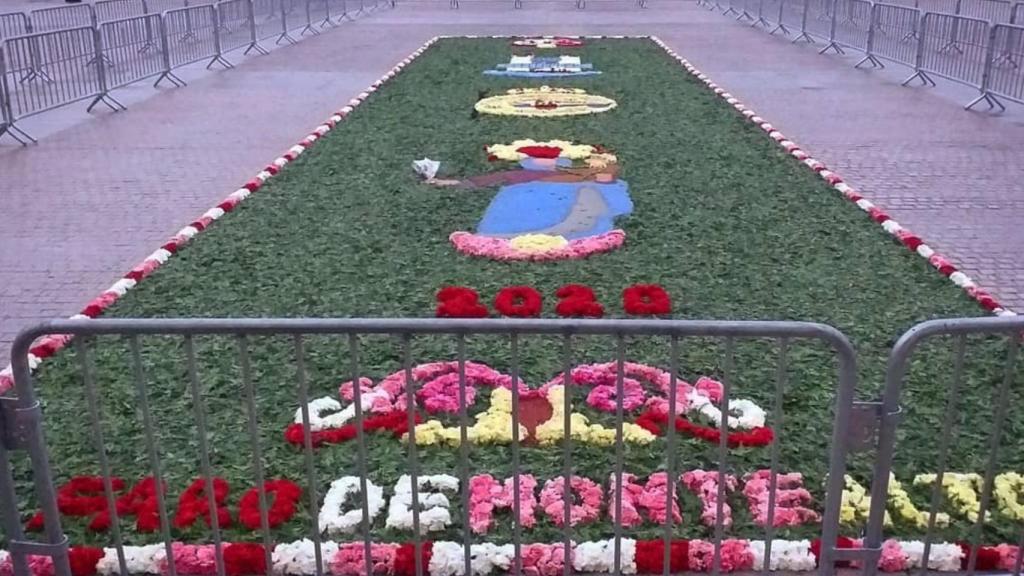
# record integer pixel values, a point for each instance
(99, 193)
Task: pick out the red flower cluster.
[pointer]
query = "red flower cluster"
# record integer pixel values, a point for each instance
(653, 423)
(577, 300)
(518, 301)
(285, 495)
(244, 558)
(396, 422)
(841, 542)
(405, 558)
(540, 151)
(83, 496)
(650, 556)
(84, 560)
(194, 502)
(988, 557)
(646, 300)
(459, 302)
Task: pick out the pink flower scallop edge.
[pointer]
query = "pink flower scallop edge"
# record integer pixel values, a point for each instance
(501, 249)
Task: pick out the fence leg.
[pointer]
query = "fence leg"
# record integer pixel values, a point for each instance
(761, 20)
(7, 118)
(285, 36)
(101, 71)
(165, 51)
(832, 44)
(919, 73)
(986, 76)
(327, 16)
(254, 43)
(989, 99)
(869, 55)
(781, 27)
(219, 56)
(309, 20)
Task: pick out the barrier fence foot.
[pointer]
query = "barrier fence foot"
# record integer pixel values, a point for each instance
(19, 135)
(580, 4)
(760, 22)
(875, 62)
(453, 4)
(919, 75)
(744, 16)
(729, 11)
(109, 100)
(285, 37)
(173, 79)
(951, 47)
(255, 46)
(989, 99)
(804, 37)
(327, 23)
(832, 46)
(782, 27)
(37, 73)
(220, 60)
(311, 29)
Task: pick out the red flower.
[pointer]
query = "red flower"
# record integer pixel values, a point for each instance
(540, 151)
(841, 542)
(194, 502)
(459, 302)
(577, 300)
(397, 422)
(140, 502)
(171, 247)
(652, 422)
(646, 300)
(35, 523)
(84, 559)
(909, 239)
(542, 105)
(518, 301)
(253, 185)
(943, 265)
(988, 557)
(285, 494)
(877, 214)
(650, 556)
(405, 558)
(245, 558)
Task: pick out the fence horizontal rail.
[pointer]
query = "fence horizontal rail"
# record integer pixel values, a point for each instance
(52, 68)
(134, 50)
(14, 24)
(570, 334)
(62, 17)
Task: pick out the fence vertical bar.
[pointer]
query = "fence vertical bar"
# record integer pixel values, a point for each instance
(516, 525)
(151, 448)
(833, 24)
(254, 41)
(773, 479)
(285, 36)
(101, 74)
(217, 46)
(165, 49)
(307, 449)
(567, 453)
(947, 433)
(723, 454)
(467, 542)
(249, 394)
(357, 399)
(986, 75)
(781, 26)
(869, 52)
(919, 73)
(620, 368)
(670, 456)
(803, 25)
(410, 407)
(204, 453)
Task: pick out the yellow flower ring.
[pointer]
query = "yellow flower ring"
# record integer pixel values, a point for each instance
(548, 42)
(545, 102)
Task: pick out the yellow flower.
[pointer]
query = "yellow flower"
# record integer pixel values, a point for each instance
(545, 102)
(1008, 489)
(961, 491)
(569, 149)
(601, 160)
(580, 428)
(899, 501)
(492, 427)
(538, 242)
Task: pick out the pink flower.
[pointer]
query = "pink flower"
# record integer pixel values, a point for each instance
(790, 498)
(893, 559)
(487, 494)
(543, 559)
(350, 560)
(734, 555)
(1007, 556)
(552, 500)
(502, 249)
(192, 559)
(710, 388)
(705, 486)
(651, 498)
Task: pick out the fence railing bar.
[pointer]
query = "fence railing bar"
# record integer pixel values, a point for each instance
(165, 49)
(410, 406)
(670, 457)
(998, 419)
(199, 411)
(777, 423)
(86, 368)
(142, 397)
(467, 538)
(947, 434)
(723, 454)
(567, 359)
(302, 382)
(248, 391)
(517, 536)
(361, 466)
(254, 39)
(620, 368)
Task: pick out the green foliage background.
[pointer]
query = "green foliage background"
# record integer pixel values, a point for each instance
(731, 226)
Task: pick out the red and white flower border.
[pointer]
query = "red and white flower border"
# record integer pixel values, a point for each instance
(49, 345)
(909, 239)
(446, 558)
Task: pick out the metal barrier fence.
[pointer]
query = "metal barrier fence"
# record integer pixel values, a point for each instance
(14, 24)
(192, 34)
(1009, 331)
(107, 10)
(977, 52)
(136, 49)
(187, 342)
(62, 17)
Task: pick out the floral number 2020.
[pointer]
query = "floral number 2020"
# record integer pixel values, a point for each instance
(574, 301)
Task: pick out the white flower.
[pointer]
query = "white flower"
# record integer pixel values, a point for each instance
(434, 514)
(137, 559)
(213, 213)
(297, 149)
(447, 559)
(263, 175)
(121, 286)
(299, 558)
(317, 408)
(750, 414)
(942, 556)
(599, 556)
(188, 232)
(865, 204)
(426, 168)
(79, 317)
(891, 226)
(926, 251)
(280, 162)
(787, 555)
(240, 194)
(333, 520)
(1005, 312)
